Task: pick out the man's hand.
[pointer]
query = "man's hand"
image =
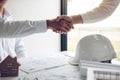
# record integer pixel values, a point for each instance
(61, 24)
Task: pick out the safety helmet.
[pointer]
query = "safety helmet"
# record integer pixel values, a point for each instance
(94, 47)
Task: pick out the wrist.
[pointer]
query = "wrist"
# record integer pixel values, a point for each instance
(77, 19)
(49, 24)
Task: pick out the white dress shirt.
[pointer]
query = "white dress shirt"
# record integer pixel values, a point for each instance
(104, 10)
(10, 46)
(14, 29)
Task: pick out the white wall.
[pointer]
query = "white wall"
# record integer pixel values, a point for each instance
(42, 43)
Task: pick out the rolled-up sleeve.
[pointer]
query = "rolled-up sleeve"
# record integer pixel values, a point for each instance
(21, 28)
(104, 10)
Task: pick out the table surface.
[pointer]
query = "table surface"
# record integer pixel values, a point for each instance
(59, 71)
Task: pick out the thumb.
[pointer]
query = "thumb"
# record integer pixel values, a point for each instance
(66, 18)
(58, 18)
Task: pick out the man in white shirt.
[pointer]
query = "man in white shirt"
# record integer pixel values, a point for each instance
(10, 46)
(9, 29)
(27, 27)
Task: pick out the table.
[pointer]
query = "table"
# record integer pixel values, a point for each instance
(56, 68)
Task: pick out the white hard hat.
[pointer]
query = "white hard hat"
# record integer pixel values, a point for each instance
(93, 48)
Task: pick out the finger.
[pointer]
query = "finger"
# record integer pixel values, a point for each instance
(60, 31)
(66, 18)
(58, 18)
(69, 25)
(63, 27)
(55, 31)
(64, 33)
(66, 26)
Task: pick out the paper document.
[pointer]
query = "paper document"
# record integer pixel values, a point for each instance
(84, 65)
(30, 65)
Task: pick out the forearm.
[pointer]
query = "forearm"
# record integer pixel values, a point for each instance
(77, 19)
(21, 28)
(104, 10)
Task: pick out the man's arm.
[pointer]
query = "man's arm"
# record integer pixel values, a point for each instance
(104, 10)
(21, 28)
(24, 28)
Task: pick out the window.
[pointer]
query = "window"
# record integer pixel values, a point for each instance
(37, 10)
(109, 27)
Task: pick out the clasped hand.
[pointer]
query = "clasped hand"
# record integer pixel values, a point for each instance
(61, 24)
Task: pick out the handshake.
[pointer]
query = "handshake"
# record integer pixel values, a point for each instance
(61, 24)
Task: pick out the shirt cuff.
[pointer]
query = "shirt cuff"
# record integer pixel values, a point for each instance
(85, 19)
(41, 26)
